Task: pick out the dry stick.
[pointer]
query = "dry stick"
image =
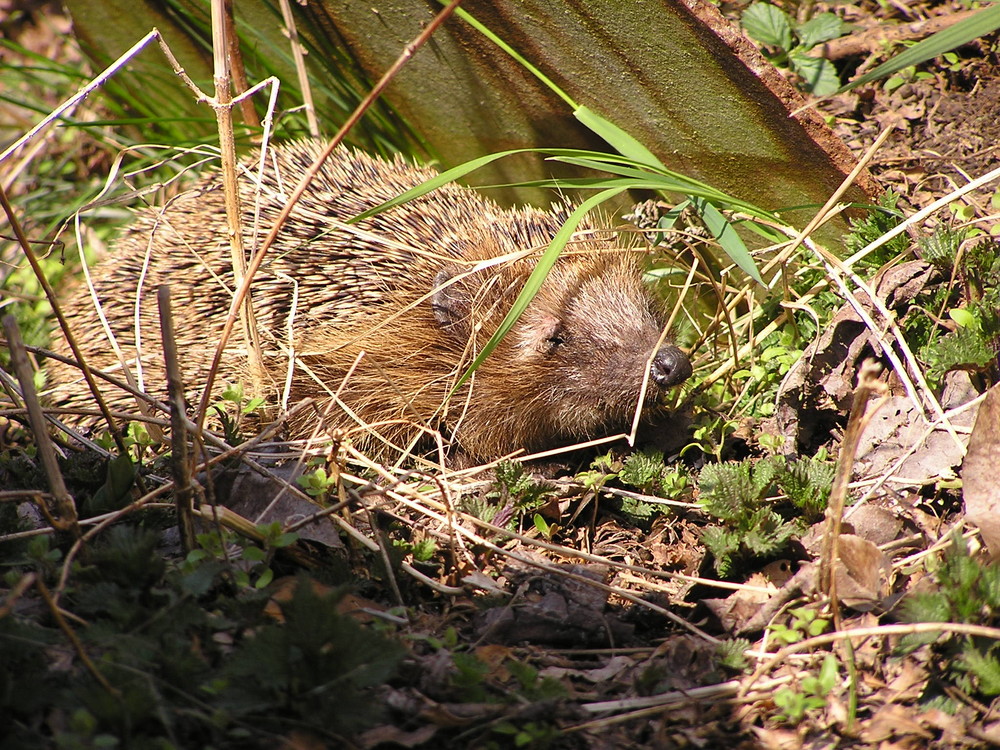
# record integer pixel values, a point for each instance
(883, 35)
(240, 83)
(63, 322)
(303, 185)
(911, 377)
(184, 494)
(227, 145)
(562, 551)
(861, 415)
(300, 66)
(640, 402)
(80, 95)
(22, 368)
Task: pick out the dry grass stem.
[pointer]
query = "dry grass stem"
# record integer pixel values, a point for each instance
(65, 507)
(181, 469)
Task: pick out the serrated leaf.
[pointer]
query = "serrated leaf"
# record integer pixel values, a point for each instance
(985, 666)
(818, 74)
(768, 24)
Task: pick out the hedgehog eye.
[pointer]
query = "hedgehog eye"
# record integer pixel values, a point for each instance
(555, 339)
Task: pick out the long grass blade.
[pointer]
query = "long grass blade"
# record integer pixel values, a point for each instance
(984, 22)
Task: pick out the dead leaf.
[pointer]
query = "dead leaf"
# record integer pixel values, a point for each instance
(980, 488)
(893, 721)
(818, 388)
(861, 573)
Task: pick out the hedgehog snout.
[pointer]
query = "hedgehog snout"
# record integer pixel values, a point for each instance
(670, 367)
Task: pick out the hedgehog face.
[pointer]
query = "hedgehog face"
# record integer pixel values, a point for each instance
(575, 365)
(591, 337)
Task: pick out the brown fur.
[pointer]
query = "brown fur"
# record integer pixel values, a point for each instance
(399, 297)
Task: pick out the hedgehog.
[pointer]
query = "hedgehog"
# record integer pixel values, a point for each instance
(377, 320)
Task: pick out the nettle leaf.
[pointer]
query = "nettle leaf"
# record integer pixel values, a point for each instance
(725, 489)
(962, 349)
(768, 24)
(723, 545)
(984, 666)
(819, 29)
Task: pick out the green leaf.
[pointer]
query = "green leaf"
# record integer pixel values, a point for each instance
(114, 492)
(984, 22)
(819, 74)
(449, 175)
(820, 28)
(985, 667)
(727, 237)
(768, 25)
(963, 317)
(617, 138)
(827, 677)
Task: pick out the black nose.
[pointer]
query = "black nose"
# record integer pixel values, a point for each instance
(670, 367)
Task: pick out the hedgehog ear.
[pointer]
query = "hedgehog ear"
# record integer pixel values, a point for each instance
(450, 303)
(545, 332)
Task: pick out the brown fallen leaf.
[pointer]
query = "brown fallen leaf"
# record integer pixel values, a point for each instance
(894, 721)
(861, 573)
(980, 488)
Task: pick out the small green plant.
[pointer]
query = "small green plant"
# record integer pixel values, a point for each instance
(806, 623)
(643, 470)
(250, 562)
(424, 550)
(176, 652)
(546, 529)
(877, 222)
(787, 43)
(710, 437)
(909, 74)
(647, 472)
(811, 694)
(514, 495)
(529, 734)
(120, 474)
(731, 654)
(751, 526)
(761, 379)
(968, 592)
(317, 483)
(974, 308)
(232, 410)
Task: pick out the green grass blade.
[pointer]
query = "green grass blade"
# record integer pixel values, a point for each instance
(449, 175)
(984, 22)
(727, 237)
(617, 138)
(485, 31)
